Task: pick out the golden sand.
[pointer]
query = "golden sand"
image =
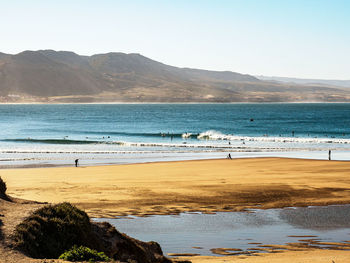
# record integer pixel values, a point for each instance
(309, 256)
(173, 187)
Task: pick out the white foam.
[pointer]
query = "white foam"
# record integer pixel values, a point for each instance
(186, 135)
(215, 135)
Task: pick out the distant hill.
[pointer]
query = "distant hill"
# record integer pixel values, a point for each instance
(62, 76)
(327, 82)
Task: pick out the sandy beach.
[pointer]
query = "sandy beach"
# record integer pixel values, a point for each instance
(173, 187)
(206, 185)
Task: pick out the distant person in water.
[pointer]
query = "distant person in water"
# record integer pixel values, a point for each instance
(76, 162)
(329, 155)
(229, 156)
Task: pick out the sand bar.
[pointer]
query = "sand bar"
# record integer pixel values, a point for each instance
(173, 187)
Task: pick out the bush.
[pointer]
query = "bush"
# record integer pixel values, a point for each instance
(53, 229)
(3, 188)
(83, 254)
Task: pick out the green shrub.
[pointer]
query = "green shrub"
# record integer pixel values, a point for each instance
(83, 254)
(3, 188)
(53, 229)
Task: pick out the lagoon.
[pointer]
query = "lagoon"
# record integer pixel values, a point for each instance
(199, 233)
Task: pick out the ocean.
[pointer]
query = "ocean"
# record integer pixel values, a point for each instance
(45, 135)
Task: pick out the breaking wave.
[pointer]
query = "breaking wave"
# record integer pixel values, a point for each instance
(215, 135)
(187, 139)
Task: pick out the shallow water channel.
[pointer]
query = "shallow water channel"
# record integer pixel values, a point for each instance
(198, 233)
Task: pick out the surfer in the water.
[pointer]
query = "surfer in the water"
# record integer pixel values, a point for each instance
(76, 162)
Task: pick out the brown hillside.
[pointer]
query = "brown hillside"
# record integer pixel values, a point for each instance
(62, 76)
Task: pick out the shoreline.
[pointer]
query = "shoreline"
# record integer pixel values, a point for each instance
(116, 159)
(54, 165)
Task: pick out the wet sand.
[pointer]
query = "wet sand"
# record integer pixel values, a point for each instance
(185, 186)
(309, 256)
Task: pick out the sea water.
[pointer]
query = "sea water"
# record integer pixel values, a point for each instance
(123, 133)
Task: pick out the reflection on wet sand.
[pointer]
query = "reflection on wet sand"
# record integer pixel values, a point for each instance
(245, 233)
(318, 218)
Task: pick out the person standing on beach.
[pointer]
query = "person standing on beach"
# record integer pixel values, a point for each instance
(329, 155)
(76, 162)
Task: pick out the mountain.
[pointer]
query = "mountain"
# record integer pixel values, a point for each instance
(326, 82)
(62, 76)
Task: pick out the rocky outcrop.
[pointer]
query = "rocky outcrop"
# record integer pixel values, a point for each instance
(124, 248)
(53, 229)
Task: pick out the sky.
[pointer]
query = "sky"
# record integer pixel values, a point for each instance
(289, 38)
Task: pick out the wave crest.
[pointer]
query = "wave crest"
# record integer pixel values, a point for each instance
(215, 135)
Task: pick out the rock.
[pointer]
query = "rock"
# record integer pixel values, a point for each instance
(121, 247)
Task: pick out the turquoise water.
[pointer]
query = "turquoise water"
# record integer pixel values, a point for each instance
(121, 133)
(238, 230)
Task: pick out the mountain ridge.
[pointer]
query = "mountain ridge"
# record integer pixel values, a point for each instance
(340, 83)
(64, 76)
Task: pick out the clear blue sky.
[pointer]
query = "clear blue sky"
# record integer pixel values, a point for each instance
(292, 38)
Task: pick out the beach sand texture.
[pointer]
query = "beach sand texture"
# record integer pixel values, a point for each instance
(173, 187)
(309, 256)
(207, 186)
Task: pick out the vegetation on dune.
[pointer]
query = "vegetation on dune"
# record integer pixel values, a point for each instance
(83, 254)
(3, 189)
(53, 229)
(64, 231)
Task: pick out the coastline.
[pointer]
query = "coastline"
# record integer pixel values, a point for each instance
(89, 159)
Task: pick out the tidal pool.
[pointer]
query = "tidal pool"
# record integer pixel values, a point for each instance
(198, 233)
